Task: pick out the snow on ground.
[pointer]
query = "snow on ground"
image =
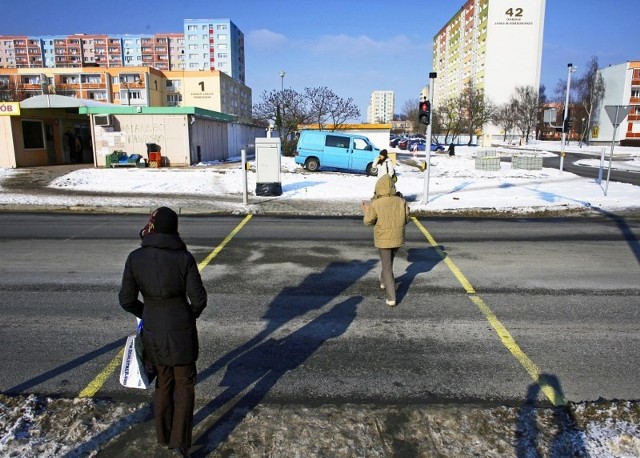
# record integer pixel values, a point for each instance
(453, 183)
(38, 426)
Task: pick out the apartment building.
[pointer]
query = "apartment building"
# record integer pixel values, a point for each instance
(495, 44)
(622, 87)
(381, 107)
(206, 44)
(141, 86)
(214, 44)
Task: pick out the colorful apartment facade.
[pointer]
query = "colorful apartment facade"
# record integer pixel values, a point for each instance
(141, 86)
(622, 87)
(495, 44)
(204, 45)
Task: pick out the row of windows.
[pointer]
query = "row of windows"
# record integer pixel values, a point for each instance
(206, 26)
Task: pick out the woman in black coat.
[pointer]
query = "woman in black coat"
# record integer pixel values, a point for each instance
(165, 273)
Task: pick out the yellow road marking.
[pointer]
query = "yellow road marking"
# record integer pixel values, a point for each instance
(507, 340)
(94, 386)
(219, 248)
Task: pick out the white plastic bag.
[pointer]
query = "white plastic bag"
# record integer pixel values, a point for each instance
(132, 371)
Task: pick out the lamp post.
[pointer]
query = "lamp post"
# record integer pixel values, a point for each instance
(570, 70)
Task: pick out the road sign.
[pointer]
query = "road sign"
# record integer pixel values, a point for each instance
(617, 113)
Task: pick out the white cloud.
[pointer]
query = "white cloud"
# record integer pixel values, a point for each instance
(266, 40)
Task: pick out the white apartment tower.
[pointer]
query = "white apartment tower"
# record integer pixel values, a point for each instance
(214, 44)
(381, 107)
(496, 44)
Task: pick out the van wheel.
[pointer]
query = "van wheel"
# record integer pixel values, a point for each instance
(371, 170)
(312, 164)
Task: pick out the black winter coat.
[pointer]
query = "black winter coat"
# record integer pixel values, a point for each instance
(167, 276)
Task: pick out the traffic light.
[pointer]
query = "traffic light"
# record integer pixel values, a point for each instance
(568, 123)
(424, 112)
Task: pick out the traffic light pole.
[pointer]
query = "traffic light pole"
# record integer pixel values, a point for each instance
(427, 149)
(565, 119)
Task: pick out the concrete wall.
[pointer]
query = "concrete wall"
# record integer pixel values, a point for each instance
(7, 156)
(131, 133)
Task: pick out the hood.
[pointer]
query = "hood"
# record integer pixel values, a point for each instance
(159, 240)
(385, 186)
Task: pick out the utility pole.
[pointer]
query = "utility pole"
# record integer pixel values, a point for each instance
(565, 120)
(427, 149)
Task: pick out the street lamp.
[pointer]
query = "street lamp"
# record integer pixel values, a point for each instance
(282, 73)
(570, 69)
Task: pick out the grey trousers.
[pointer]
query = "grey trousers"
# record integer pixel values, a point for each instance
(387, 255)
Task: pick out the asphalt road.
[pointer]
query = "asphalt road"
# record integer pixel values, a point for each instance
(296, 314)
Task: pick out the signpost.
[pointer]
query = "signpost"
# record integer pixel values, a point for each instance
(616, 114)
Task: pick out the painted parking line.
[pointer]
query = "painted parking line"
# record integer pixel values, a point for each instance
(507, 340)
(94, 386)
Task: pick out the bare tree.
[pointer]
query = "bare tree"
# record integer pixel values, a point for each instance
(477, 109)
(525, 100)
(590, 90)
(319, 99)
(286, 109)
(542, 101)
(504, 117)
(410, 112)
(341, 110)
(449, 118)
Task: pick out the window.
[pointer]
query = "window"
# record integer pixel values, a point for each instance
(222, 37)
(33, 134)
(359, 143)
(337, 141)
(222, 55)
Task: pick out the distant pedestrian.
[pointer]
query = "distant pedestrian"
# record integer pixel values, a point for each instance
(165, 273)
(452, 149)
(388, 213)
(385, 165)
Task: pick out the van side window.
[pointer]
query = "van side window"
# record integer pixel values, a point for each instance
(337, 141)
(359, 143)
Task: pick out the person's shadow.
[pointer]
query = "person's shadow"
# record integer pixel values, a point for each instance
(262, 362)
(260, 368)
(421, 260)
(568, 440)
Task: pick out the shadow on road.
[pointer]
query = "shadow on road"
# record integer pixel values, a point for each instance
(74, 363)
(421, 260)
(567, 441)
(254, 367)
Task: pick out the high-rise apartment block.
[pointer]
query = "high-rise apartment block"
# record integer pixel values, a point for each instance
(206, 44)
(494, 44)
(214, 44)
(381, 107)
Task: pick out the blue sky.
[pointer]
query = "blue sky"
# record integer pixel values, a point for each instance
(353, 47)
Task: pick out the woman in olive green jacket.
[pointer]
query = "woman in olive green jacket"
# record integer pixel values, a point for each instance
(388, 213)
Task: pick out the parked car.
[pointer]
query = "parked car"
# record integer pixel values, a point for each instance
(336, 150)
(394, 141)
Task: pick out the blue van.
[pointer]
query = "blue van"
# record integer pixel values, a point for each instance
(336, 150)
